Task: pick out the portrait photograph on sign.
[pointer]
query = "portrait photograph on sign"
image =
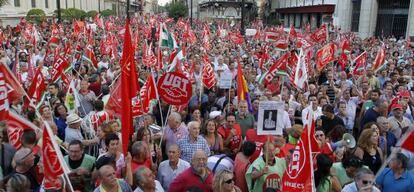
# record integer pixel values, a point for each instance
(270, 118)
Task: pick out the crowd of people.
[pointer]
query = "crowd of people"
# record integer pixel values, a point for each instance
(211, 144)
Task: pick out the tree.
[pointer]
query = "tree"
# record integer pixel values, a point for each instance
(73, 13)
(107, 12)
(36, 15)
(91, 13)
(176, 10)
(3, 2)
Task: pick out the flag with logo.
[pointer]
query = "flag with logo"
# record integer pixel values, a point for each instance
(52, 167)
(278, 67)
(148, 57)
(208, 76)
(36, 89)
(298, 176)
(320, 35)
(58, 67)
(90, 55)
(360, 63)
(167, 39)
(301, 72)
(16, 125)
(129, 86)
(292, 33)
(14, 89)
(325, 55)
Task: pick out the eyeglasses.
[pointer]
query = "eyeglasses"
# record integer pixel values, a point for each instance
(366, 182)
(229, 181)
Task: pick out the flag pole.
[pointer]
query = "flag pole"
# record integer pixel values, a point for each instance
(162, 135)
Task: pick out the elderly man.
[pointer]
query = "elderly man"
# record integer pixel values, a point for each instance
(363, 182)
(25, 165)
(398, 122)
(73, 131)
(396, 177)
(109, 182)
(196, 177)
(192, 142)
(174, 131)
(80, 163)
(171, 168)
(145, 180)
(387, 138)
(140, 156)
(244, 118)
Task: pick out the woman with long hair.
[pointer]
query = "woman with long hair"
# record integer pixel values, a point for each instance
(144, 134)
(214, 140)
(368, 150)
(224, 182)
(60, 112)
(324, 180)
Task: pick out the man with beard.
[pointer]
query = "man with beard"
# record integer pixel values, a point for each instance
(244, 118)
(198, 176)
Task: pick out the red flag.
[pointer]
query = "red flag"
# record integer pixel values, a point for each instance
(206, 38)
(90, 54)
(320, 35)
(99, 21)
(292, 33)
(298, 176)
(343, 61)
(37, 88)
(236, 38)
(148, 57)
(114, 101)
(208, 77)
(4, 102)
(51, 164)
(304, 42)
(280, 64)
(263, 56)
(16, 125)
(408, 143)
(379, 59)
(281, 44)
(14, 88)
(345, 45)
(59, 65)
(360, 63)
(148, 92)
(325, 55)
(129, 86)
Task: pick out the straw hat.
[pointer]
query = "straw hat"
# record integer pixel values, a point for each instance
(73, 118)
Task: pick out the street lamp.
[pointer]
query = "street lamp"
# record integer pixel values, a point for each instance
(127, 9)
(191, 12)
(58, 10)
(242, 18)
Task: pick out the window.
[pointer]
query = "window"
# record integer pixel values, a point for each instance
(33, 3)
(46, 4)
(17, 3)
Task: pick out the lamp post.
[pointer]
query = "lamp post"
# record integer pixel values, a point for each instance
(58, 10)
(127, 9)
(242, 18)
(191, 12)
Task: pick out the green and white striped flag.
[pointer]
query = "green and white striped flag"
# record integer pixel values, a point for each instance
(167, 39)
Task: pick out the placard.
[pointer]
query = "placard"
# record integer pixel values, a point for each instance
(270, 118)
(225, 80)
(251, 32)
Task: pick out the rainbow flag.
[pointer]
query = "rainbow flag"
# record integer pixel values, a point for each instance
(242, 88)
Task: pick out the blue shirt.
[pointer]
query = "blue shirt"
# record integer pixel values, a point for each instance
(188, 147)
(388, 183)
(61, 125)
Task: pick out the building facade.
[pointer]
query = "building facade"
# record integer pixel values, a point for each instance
(15, 9)
(366, 17)
(227, 9)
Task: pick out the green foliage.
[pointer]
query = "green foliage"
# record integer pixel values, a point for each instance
(107, 13)
(275, 22)
(3, 2)
(36, 15)
(176, 9)
(91, 13)
(72, 13)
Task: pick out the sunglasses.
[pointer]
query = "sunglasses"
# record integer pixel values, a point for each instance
(320, 135)
(229, 181)
(365, 182)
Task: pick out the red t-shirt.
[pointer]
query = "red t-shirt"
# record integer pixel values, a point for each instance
(251, 135)
(188, 180)
(135, 164)
(235, 140)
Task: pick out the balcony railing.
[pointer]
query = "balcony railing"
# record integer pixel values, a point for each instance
(205, 1)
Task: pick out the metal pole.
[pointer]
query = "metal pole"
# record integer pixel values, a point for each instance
(127, 8)
(58, 11)
(191, 12)
(99, 6)
(242, 18)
